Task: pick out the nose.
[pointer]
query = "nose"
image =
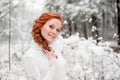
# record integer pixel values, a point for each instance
(54, 31)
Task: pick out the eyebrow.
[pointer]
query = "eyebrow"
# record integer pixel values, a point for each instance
(54, 25)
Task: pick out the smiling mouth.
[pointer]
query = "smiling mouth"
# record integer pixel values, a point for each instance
(52, 36)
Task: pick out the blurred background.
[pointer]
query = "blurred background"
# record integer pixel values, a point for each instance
(96, 19)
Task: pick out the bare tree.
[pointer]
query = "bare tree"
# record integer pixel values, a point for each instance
(118, 8)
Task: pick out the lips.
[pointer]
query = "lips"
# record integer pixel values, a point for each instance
(51, 36)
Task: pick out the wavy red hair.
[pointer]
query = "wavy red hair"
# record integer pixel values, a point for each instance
(38, 24)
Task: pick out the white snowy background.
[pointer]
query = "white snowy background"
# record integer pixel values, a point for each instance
(86, 59)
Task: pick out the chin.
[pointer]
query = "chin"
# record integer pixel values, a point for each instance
(50, 41)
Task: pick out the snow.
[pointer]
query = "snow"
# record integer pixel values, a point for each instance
(90, 61)
(85, 60)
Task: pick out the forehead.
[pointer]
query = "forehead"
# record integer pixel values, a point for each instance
(55, 22)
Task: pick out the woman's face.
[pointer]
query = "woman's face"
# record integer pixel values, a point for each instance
(51, 30)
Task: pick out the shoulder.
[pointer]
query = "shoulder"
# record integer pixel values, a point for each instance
(34, 57)
(34, 49)
(34, 53)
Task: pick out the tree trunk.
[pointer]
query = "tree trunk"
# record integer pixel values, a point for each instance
(118, 21)
(95, 33)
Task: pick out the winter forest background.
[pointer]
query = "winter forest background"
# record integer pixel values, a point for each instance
(90, 36)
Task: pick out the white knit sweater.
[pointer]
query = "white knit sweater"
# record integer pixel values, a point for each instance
(39, 67)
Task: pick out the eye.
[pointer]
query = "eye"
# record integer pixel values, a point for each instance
(51, 26)
(58, 30)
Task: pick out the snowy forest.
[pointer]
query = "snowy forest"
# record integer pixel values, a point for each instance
(89, 39)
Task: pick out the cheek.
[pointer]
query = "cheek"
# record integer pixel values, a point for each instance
(45, 30)
(57, 34)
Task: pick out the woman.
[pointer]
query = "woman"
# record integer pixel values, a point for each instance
(41, 61)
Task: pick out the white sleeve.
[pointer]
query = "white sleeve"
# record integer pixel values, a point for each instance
(33, 71)
(51, 73)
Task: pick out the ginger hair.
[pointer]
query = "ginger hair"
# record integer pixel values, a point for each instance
(38, 24)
